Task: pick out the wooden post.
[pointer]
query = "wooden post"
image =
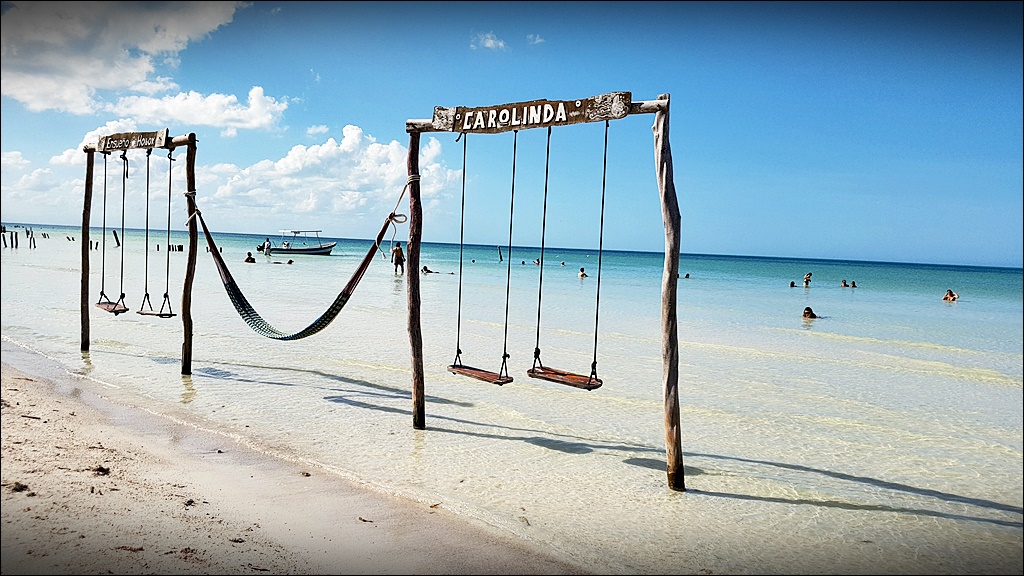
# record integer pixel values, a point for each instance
(412, 276)
(193, 249)
(90, 156)
(669, 282)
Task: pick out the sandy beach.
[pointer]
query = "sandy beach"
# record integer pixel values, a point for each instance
(93, 487)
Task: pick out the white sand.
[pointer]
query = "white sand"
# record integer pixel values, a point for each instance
(93, 487)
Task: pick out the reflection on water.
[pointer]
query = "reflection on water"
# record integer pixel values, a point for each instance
(86, 366)
(190, 390)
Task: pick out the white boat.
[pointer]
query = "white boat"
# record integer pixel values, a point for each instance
(299, 242)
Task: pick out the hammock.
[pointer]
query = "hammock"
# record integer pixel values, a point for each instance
(257, 323)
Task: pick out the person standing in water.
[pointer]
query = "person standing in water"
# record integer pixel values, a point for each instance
(398, 258)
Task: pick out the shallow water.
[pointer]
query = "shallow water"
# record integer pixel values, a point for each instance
(883, 437)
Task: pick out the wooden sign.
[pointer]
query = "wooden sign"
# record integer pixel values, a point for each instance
(127, 140)
(535, 114)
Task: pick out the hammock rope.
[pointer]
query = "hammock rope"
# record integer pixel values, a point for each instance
(261, 326)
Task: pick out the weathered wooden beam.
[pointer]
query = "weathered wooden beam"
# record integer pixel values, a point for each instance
(86, 246)
(193, 250)
(139, 139)
(412, 277)
(669, 282)
(612, 106)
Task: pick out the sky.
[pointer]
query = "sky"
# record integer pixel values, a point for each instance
(879, 131)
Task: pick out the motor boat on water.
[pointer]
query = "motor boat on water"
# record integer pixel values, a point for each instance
(299, 242)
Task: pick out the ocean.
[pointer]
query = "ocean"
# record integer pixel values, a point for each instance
(883, 437)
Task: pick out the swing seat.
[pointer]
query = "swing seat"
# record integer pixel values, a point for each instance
(563, 377)
(157, 314)
(479, 374)
(113, 307)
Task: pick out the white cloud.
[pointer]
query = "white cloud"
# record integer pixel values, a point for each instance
(156, 86)
(58, 55)
(488, 41)
(356, 181)
(316, 130)
(76, 156)
(13, 160)
(534, 39)
(192, 108)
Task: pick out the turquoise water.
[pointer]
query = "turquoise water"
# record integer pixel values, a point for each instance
(883, 437)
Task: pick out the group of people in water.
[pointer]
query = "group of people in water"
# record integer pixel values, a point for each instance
(949, 296)
(400, 263)
(250, 259)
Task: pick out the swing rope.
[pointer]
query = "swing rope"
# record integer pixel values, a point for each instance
(104, 302)
(600, 251)
(103, 253)
(167, 274)
(145, 299)
(502, 376)
(261, 326)
(539, 370)
(543, 228)
(462, 238)
(165, 307)
(124, 193)
(508, 278)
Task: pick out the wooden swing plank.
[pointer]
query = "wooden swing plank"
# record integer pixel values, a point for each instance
(158, 314)
(563, 377)
(479, 374)
(114, 307)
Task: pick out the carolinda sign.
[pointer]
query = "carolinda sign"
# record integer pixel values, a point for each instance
(535, 114)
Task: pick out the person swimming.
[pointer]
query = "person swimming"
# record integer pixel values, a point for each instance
(808, 313)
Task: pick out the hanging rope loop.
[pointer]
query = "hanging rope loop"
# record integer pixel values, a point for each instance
(395, 218)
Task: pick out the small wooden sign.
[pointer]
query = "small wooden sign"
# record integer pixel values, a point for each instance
(127, 140)
(535, 114)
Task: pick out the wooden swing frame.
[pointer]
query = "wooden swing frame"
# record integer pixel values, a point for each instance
(542, 114)
(125, 141)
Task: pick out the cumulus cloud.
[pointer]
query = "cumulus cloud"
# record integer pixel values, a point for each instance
(260, 112)
(60, 55)
(316, 130)
(486, 41)
(357, 180)
(76, 157)
(13, 159)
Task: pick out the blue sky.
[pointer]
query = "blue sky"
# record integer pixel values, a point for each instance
(864, 131)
